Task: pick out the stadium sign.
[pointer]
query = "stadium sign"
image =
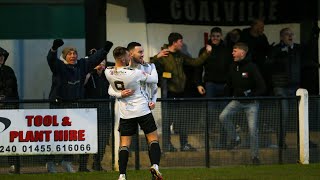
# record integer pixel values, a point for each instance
(224, 12)
(48, 131)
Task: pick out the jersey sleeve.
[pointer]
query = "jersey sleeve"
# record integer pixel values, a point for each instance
(152, 77)
(154, 92)
(154, 86)
(114, 93)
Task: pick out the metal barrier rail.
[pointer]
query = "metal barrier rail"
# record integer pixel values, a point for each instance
(201, 101)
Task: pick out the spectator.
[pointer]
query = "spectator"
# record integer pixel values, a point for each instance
(8, 91)
(259, 48)
(215, 71)
(68, 75)
(96, 87)
(134, 110)
(244, 80)
(232, 38)
(171, 60)
(286, 64)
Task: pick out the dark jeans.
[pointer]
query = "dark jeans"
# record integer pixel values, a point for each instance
(216, 90)
(170, 109)
(283, 91)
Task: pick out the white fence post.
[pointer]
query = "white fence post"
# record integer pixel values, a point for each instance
(303, 126)
(116, 136)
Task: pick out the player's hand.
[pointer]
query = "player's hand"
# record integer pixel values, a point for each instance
(126, 93)
(152, 105)
(201, 90)
(163, 53)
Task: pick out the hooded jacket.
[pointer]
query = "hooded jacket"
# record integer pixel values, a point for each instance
(8, 80)
(244, 79)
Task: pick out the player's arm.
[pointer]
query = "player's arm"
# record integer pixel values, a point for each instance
(112, 92)
(120, 94)
(153, 76)
(154, 92)
(153, 86)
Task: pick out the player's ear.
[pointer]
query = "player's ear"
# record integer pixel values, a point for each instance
(130, 53)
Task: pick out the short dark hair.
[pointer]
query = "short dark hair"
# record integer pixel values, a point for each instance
(132, 45)
(119, 51)
(216, 29)
(173, 37)
(241, 45)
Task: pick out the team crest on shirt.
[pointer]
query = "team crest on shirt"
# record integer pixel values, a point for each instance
(117, 72)
(245, 74)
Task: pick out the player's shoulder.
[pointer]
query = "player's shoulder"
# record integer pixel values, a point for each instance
(147, 64)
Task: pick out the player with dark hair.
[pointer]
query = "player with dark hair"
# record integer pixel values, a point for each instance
(133, 110)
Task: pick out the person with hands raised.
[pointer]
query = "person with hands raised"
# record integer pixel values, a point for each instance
(56, 44)
(171, 61)
(211, 79)
(68, 76)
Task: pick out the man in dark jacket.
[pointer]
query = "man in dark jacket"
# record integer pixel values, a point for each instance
(259, 48)
(8, 91)
(286, 65)
(244, 80)
(68, 76)
(211, 79)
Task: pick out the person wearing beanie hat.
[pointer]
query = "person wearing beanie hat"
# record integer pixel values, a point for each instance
(8, 91)
(69, 72)
(68, 75)
(69, 55)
